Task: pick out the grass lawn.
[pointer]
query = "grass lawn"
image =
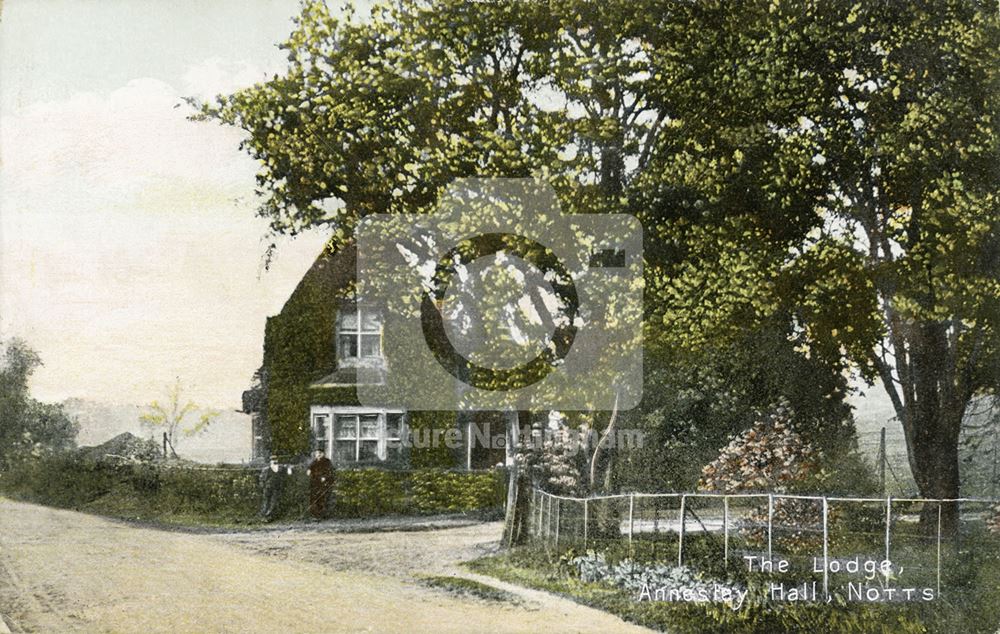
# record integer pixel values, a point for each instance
(970, 601)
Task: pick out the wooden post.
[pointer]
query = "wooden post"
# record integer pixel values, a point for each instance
(680, 534)
(558, 508)
(882, 458)
(538, 520)
(548, 522)
(826, 549)
(770, 521)
(938, 595)
(585, 517)
(631, 510)
(545, 519)
(534, 511)
(725, 530)
(513, 522)
(888, 524)
(468, 446)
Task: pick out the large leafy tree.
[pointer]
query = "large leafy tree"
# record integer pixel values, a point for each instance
(377, 115)
(830, 163)
(854, 151)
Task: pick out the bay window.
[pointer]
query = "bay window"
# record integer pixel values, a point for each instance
(358, 436)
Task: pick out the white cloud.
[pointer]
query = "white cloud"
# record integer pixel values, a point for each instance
(129, 249)
(105, 149)
(218, 76)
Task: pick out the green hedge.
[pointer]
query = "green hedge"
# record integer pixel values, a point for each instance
(189, 494)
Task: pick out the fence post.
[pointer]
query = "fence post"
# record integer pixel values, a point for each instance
(558, 509)
(680, 536)
(541, 515)
(631, 511)
(882, 460)
(585, 517)
(725, 530)
(770, 521)
(826, 549)
(538, 520)
(888, 524)
(548, 519)
(938, 595)
(544, 520)
(532, 523)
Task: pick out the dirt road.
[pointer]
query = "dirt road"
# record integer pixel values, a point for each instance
(62, 571)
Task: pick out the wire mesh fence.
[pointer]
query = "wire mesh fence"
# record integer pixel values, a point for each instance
(837, 538)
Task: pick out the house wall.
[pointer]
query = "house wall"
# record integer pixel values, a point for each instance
(300, 348)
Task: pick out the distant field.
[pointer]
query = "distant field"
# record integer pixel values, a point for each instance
(226, 440)
(874, 411)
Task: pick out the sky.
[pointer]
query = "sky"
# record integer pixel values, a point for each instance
(130, 253)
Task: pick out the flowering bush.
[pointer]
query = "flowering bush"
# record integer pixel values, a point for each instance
(553, 460)
(770, 457)
(993, 523)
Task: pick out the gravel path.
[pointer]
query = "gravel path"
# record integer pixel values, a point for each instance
(62, 571)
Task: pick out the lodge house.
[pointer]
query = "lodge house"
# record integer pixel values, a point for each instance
(316, 351)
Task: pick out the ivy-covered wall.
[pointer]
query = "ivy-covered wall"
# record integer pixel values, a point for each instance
(300, 348)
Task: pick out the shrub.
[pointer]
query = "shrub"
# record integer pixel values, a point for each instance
(993, 523)
(633, 577)
(367, 492)
(438, 490)
(185, 493)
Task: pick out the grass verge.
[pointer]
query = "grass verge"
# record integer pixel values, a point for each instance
(469, 588)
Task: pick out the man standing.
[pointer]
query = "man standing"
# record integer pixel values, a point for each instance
(320, 474)
(272, 482)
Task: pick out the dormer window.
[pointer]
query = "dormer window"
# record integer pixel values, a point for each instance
(359, 333)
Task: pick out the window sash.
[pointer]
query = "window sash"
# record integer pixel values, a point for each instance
(359, 334)
(363, 436)
(320, 427)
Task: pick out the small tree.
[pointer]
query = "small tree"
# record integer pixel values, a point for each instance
(170, 417)
(28, 428)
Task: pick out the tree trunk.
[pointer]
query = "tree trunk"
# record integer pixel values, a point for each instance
(931, 409)
(518, 485)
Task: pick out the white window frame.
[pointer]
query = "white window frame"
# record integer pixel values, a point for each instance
(329, 415)
(358, 332)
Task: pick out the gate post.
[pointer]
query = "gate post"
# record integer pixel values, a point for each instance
(680, 534)
(826, 549)
(725, 530)
(631, 511)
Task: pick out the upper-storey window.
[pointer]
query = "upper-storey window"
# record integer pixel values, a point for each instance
(359, 333)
